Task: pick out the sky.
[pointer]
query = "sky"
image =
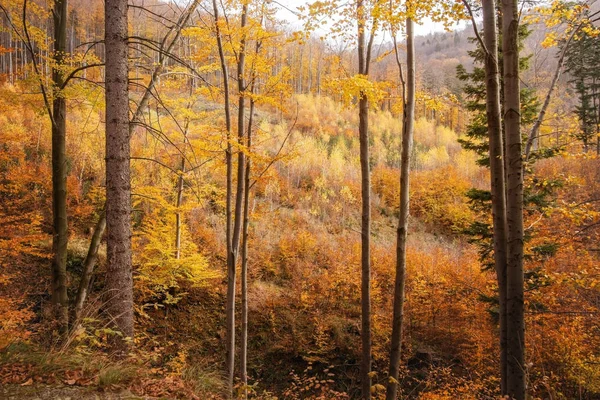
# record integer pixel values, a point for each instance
(288, 7)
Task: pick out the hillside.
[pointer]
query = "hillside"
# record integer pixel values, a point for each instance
(244, 203)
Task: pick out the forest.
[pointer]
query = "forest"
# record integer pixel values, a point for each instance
(261, 199)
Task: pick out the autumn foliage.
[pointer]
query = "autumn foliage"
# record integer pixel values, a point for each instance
(304, 227)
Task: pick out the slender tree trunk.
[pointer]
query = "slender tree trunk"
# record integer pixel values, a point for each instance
(119, 283)
(178, 203)
(365, 246)
(179, 195)
(237, 217)
(59, 172)
(24, 58)
(88, 265)
(244, 334)
(497, 184)
(363, 133)
(11, 78)
(515, 326)
(230, 307)
(408, 108)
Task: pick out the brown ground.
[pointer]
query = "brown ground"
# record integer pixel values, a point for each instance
(46, 392)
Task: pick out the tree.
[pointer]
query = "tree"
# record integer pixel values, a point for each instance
(476, 136)
(364, 61)
(165, 48)
(56, 109)
(496, 158)
(515, 324)
(233, 217)
(364, 18)
(577, 54)
(581, 58)
(60, 234)
(408, 109)
(505, 241)
(119, 282)
(239, 195)
(489, 46)
(408, 87)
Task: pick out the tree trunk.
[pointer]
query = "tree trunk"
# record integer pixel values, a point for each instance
(11, 78)
(230, 307)
(363, 133)
(60, 232)
(365, 245)
(88, 265)
(244, 334)
(178, 203)
(237, 217)
(515, 326)
(408, 107)
(497, 184)
(119, 283)
(91, 258)
(179, 195)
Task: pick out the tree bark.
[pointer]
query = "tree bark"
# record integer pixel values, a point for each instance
(178, 203)
(408, 108)
(245, 231)
(363, 133)
(231, 278)
(497, 183)
(515, 326)
(60, 232)
(119, 282)
(237, 217)
(90, 260)
(179, 194)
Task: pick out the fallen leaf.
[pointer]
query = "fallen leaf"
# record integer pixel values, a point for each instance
(28, 382)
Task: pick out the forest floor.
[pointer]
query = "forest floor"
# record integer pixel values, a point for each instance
(54, 392)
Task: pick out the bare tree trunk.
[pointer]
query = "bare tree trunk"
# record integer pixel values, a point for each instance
(363, 133)
(408, 108)
(497, 184)
(11, 78)
(515, 326)
(230, 308)
(178, 212)
(60, 232)
(88, 265)
(119, 282)
(24, 65)
(237, 217)
(244, 334)
(310, 58)
(179, 196)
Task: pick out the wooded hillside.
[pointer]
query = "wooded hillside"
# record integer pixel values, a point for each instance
(198, 201)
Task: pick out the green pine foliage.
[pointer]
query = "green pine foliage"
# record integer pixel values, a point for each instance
(474, 88)
(582, 60)
(538, 195)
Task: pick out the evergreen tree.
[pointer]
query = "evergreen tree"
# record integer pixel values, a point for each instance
(582, 60)
(476, 135)
(538, 193)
